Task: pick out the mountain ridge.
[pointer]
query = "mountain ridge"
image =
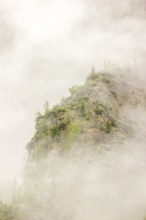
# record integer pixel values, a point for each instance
(91, 114)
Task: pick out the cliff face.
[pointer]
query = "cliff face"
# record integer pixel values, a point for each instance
(87, 157)
(93, 114)
(87, 151)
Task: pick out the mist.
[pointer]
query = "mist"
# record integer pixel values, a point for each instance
(90, 182)
(46, 47)
(110, 185)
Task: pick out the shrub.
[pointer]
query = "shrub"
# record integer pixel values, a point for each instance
(109, 126)
(54, 131)
(73, 89)
(42, 128)
(73, 132)
(46, 109)
(61, 121)
(81, 105)
(99, 108)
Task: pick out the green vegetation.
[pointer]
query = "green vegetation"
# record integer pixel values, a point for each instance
(7, 212)
(99, 108)
(105, 121)
(110, 125)
(63, 124)
(51, 127)
(83, 109)
(83, 119)
(46, 108)
(52, 122)
(74, 89)
(81, 106)
(73, 132)
(41, 128)
(54, 131)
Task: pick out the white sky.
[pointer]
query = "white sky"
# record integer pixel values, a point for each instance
(48, 45)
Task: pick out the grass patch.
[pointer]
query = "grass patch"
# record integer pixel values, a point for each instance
(73, 132)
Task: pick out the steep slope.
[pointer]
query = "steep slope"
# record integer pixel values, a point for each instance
(87, 157)
(92, 115)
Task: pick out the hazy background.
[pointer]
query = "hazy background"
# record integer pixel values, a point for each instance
(48, 45)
